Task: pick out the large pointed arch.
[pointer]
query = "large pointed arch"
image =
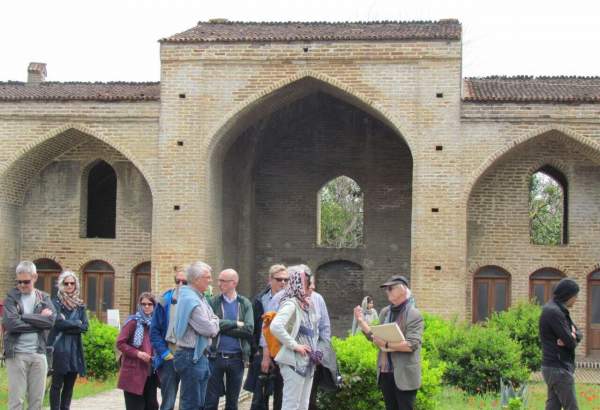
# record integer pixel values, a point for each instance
(286, 91)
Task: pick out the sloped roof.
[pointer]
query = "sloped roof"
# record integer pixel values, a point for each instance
(220, 30)
(80, 91)
(561, 89)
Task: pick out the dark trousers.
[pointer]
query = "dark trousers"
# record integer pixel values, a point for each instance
(561, 389)
(169, 384)
(147, 400)
(312, 404)
(61, 391)
(396, 399)
(226, 372)
(260, 398)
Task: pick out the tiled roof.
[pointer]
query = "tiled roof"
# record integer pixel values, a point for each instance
(220, 30)
(532, 89)
(54, 91)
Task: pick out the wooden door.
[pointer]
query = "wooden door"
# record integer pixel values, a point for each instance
(98, 292)
(593, 314)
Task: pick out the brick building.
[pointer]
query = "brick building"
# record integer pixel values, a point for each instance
(223, 161)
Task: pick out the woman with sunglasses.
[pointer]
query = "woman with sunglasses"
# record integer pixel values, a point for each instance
(398, 363)
(71, 322)
(137, 377)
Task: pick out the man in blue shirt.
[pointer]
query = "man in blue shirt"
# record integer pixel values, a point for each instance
(231, 348)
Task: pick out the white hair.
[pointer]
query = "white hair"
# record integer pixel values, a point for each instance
(26, 267)
(195, 270)
(60, 283)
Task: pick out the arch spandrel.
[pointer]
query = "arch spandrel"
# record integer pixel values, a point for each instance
(18, 171)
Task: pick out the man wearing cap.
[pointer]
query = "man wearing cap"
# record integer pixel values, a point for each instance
(399, 367)
(559, 337)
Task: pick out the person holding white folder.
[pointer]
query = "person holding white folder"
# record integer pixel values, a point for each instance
(399, 360)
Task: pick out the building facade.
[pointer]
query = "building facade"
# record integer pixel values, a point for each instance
(223, 161)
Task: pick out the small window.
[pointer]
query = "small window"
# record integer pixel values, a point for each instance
(98, 287)
(542, 283)
(491, 292)
(548, 207)
(340, 214)
(101, 201)
(141, 282)
(48, 272)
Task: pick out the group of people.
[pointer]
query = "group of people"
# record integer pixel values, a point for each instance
(199, 345)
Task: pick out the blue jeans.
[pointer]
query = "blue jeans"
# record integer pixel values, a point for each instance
(194, 375)
(169, 384)
(232, 368)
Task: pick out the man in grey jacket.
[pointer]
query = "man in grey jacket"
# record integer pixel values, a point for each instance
(28, 317)
(398, 363)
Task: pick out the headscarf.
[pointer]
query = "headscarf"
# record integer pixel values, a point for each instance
(297, 286)
(69, 300)
(141, 319)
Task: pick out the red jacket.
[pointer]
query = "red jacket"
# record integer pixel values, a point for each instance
(134, 371)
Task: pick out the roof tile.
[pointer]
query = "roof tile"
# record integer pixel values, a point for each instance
(55, 91)
(223, 31)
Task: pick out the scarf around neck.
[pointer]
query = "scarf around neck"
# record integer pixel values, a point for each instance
(141, 321)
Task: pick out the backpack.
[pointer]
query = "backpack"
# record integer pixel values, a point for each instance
(273, 343)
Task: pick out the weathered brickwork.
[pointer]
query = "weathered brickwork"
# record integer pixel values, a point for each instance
(227, 165)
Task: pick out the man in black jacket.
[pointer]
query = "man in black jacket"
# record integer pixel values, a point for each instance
(559, 337)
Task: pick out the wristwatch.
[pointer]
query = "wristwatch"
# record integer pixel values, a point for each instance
(387, 346)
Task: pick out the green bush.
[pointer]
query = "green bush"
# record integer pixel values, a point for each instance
(521, 322)
(435, 334)
(477, 357)
(99, 348)
(357, 358)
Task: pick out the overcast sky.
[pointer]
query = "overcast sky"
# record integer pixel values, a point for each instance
(110, 40)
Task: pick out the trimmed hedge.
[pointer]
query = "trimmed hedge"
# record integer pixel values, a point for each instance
(521, 322)
(357, 358)
(99, 349)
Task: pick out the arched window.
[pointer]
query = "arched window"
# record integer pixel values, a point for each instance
(491, 292)
(101, 201)
(593, 313)
(542, 283)
(98, 287)
(340, 214)
(141, 282)
(548, 207)
(48, 272)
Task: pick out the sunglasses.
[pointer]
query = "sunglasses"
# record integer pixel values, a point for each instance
(69, 283)
(225, 280)
(390, 288)
(23, 282)
(147, 304)
(285, 280)
(180, 282)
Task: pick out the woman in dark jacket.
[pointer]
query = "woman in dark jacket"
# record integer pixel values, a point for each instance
(137, 378)
(71, 322)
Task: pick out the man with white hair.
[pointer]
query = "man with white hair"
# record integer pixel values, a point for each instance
(195, 325)
(28, 317)
(231, 348)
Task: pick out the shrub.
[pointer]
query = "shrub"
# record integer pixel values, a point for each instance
(477, 357)
(357, 358)
(99, 347)
(521, 322)
(435, 334)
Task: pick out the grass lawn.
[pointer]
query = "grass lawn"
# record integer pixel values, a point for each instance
(588, 398)
(83, 387)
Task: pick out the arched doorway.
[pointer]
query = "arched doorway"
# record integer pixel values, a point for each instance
(593, 314)
(48, 272)
(341, 283)
(99, 287)
(141, 282)
(491, 292)
(542, 283)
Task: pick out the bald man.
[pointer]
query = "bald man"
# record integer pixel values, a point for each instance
(231, 348)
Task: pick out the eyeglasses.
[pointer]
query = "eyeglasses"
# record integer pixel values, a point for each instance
(390, 288)
(225, 280)
(285, 280)
(69, 283)
(180, 282)
(23, 282)
(147, 304)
